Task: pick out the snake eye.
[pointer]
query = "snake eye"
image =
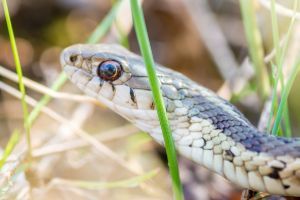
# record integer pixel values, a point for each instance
(109, 70)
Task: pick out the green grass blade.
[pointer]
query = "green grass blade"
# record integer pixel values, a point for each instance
(279, 57)
(255, 46)
(142, 35)
(285, 93)
(97, 34)
(128, 183)
(19, 72)
(13, 140)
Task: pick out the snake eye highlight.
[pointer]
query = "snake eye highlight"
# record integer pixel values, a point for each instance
(109, 70)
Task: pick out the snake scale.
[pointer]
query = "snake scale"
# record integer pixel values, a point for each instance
(206, 128)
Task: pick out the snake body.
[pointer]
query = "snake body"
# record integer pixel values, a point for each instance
(205, 128)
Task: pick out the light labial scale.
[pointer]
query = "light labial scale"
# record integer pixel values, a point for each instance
(81, 77)
(106, 91)
(122, 97)
(93, 87)
(143, 99)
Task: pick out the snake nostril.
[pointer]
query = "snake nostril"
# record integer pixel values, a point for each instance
(73, 58)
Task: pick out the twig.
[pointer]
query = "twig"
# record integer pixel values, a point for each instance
(116, 133)
(213, 37)
(43, 89)
(280, 9)
(102, 149)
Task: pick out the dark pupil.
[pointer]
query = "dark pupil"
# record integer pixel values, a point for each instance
(109, 70)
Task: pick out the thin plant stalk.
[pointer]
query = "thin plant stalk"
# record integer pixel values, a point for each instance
(19, 72)
(279, 56)
(97, 185)
(285, 94)
(142, 35)
(13, 140)
(255, 46)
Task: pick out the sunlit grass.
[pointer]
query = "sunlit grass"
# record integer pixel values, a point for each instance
(254, 42)
(256, 54)
(13, 140)
(97, 185)
(142, 35)
(285, 93)
(19, 72)
(278, 74)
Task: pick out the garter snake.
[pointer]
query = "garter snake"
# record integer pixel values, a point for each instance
(205, 128)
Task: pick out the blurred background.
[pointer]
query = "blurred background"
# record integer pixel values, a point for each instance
(190, 39)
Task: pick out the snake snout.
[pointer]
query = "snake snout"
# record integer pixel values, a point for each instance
(71, 56)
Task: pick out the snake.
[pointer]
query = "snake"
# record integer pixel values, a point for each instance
(206, 128)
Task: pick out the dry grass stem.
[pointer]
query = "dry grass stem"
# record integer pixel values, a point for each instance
(45, 90)
(280, 9)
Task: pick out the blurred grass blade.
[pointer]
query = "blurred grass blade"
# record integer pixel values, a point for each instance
(19, 72)
(106, 23)
(46, 98)
(142, 35)
(97, 34)
(285, 94)
(13, 140)
(93, 185)
(255, 46)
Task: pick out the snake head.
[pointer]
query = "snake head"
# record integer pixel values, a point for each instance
(110, 73)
